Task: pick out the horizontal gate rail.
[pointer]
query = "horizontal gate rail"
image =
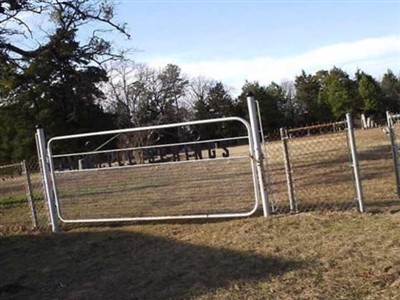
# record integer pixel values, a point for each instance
(151, 147)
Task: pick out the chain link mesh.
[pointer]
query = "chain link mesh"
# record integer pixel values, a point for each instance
(22, 203)
(275, 173)
(376, 167)
(319, 164)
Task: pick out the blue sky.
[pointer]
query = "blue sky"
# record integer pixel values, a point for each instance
(233, 41)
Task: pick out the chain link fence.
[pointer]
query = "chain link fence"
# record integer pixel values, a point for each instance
(310, 168)
(22, 202)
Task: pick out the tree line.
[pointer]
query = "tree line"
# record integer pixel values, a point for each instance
(139, 96)
(72, 85)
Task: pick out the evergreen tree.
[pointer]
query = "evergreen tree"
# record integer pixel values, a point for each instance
(271, 116)
(55, 83)
(310, 109)
(339, 92)
(217, 104)
(390, 85)
(370, 95)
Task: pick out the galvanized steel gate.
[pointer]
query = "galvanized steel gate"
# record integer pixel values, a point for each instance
(134, 175)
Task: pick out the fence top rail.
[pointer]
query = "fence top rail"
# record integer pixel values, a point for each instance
(10, 166)
(147, 128)
(150, 147)
(317, 126)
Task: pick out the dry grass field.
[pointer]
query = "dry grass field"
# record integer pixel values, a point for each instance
(305, 256)
(193, 187)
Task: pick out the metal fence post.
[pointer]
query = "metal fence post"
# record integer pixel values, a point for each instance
(395, 151)
(46, 178)
(288, 170)
(355, 165)
(258, 155)
(29, 193)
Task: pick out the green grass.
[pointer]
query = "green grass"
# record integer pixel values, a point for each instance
(6, 201)
(16, 200)
(305, 256)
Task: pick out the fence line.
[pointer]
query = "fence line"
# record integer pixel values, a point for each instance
(307, 169)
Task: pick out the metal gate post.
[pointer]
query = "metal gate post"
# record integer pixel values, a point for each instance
(355, 165)
(29, 193)
(46, 177)
(288, 170)
(258, 155)
(395, 151)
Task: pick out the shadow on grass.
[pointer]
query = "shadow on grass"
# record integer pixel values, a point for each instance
(124, 265)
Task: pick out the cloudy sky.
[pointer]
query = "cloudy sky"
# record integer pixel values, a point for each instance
(232, 41)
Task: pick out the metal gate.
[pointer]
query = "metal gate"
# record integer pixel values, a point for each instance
(319, 165)
(155, 173)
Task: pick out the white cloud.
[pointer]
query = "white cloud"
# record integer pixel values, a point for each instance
(373, 55)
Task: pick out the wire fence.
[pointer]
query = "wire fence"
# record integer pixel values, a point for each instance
(308, 168)
(311, 168)
(321, 167)
(22, 203)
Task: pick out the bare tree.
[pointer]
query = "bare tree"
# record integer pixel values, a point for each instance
(198, 89)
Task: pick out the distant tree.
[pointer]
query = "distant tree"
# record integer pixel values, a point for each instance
(217, 103)
(121, 99)
(370, 94)
(143, 96)
(307, 88)
(156, 96)
(269, 102)
(196, 94)
(339, 92)
(390, 85)
(289, 106)
(172, 91)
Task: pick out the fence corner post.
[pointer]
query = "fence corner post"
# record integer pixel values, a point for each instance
(43, 159)
(355, 164)
(258, 155)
